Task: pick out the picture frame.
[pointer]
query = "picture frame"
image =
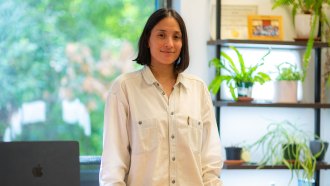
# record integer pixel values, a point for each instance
(265, 27)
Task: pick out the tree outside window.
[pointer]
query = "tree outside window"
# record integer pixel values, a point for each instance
(57, 61)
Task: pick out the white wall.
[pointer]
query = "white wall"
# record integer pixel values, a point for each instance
(251, 121)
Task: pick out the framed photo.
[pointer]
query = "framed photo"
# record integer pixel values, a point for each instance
(262, 27)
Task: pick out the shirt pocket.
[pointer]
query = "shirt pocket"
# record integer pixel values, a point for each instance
(191, 132)
(195, 133)
(146, 136)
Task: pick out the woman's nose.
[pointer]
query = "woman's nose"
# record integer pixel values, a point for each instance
(169, 42)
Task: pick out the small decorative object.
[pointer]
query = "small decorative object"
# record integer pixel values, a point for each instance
(244, 91)
(306, 182)
(262, 27)
(233, 153)
(286, 83)
(235, 76)
(319, 146)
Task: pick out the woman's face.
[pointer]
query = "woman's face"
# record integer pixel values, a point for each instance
(165, 42)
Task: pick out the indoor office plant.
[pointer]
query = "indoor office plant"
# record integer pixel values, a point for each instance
(286, 83)
(285, 143)
(233, 152)
(236, 154)
(318, 145)
(240, 78)
(314, 13)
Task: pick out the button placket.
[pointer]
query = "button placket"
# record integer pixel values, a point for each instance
(172, 141)
(159, 88)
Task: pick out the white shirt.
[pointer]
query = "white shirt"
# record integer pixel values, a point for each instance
(151, 139)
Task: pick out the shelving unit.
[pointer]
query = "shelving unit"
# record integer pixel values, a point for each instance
(270, 104)
(253, 166)
(287, 45)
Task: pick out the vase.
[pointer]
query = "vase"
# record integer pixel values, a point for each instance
(286, 92)
(290, 152)
(306, 182)
(316, 147)
(244, 89)
(233, 153)
(303, 24)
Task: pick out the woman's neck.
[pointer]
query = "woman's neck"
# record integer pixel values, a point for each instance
(165, 76)
(163, 73)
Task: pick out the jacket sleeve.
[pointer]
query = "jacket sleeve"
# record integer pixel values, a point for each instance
(115, 158)
(211, 150)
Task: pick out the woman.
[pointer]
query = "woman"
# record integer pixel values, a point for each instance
(159, 124)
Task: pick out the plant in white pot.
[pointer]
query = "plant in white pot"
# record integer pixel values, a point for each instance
(314, 14)
(238, 77)
(286, 84)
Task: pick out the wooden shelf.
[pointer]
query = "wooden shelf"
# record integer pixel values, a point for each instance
(319, 166)
(266, 44)
(270, 104)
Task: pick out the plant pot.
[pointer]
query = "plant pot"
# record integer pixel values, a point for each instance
(290, 152)
(244, 90)
(233, 153)
(306, 182)
(286, 91)
(316, 147)
(303, 24)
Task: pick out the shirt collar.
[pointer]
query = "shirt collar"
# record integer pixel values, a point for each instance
(150, 79)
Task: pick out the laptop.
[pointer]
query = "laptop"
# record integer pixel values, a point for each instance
(39, 163)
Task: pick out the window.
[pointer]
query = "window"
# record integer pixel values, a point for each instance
(58, 59)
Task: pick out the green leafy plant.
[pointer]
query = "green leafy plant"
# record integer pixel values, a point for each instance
(288, 72)
(313, 7)
(286, 137)
(235, 74)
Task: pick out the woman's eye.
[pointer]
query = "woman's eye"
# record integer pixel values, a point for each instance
(177, 37)
(161, 35)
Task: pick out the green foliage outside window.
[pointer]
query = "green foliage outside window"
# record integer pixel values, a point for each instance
(55, 50)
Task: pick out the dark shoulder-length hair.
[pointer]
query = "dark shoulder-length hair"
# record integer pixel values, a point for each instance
(144, 56)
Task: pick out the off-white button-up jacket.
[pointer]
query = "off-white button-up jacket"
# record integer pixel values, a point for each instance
(151, 139)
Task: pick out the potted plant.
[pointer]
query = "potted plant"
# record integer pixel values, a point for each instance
(236, 154)
(317, 146)
(312, 9)
(285, 143)
(240, 78)
(286, 83)
(233, 152)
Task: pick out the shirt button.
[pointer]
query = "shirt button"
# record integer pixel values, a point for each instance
(173, 181)
(199, 123)
(172, 136)
(163, 93)
(172, 113)
(173, 159)
(140, 122)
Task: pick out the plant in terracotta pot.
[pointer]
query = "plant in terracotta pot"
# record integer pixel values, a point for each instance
(237, 76)
(286, 83)
(314, 13)
(285, 143)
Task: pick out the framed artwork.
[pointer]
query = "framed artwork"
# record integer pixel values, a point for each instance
(233, 20)
(262, 27)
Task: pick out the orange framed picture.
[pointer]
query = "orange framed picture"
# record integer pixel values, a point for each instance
(262, 27)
